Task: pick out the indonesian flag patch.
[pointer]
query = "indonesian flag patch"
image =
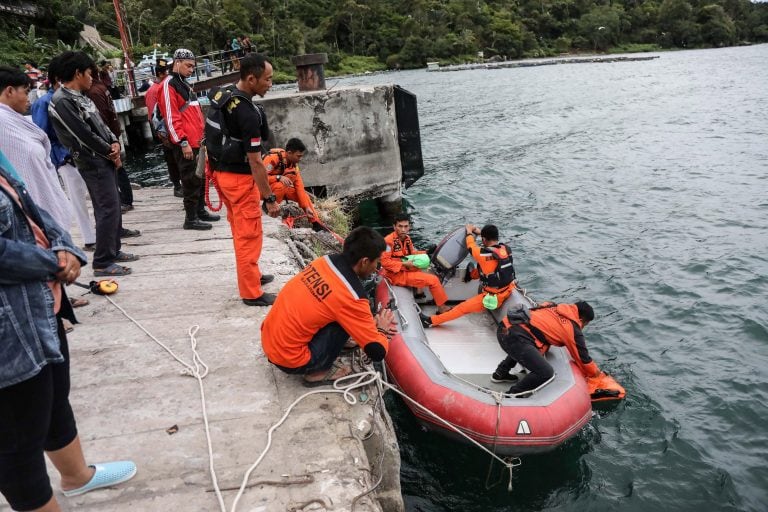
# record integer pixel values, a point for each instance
(255, 142)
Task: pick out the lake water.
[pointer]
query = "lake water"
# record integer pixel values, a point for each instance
(641, 187)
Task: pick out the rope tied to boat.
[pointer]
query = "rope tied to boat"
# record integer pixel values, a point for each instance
(345, 386)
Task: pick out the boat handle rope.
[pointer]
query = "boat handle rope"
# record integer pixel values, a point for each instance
(345, 386)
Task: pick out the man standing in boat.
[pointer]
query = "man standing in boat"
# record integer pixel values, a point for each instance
(526, 335)
(495, 270)
(401, 271)
(324, 305)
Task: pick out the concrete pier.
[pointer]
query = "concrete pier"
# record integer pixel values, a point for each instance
(132, 400)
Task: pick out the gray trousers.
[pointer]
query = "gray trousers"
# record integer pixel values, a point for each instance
(100, 177)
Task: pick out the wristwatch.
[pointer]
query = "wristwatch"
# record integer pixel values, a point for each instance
(184, 143)
(270, 198)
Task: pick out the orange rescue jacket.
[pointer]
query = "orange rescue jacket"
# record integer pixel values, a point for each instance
(560, 325)
(326, 291)
(392, 258)
(488, 262)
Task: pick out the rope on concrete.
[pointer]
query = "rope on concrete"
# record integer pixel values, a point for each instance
(195, 372)
(344, 386)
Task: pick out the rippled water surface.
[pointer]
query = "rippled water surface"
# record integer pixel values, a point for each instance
(643, 188)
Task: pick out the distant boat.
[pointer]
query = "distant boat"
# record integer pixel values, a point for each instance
(433, 66)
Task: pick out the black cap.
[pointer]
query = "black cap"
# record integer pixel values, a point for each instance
(161, 65)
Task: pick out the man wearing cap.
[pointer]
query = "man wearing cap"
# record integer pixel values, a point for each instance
(150, 100)
(184, 121)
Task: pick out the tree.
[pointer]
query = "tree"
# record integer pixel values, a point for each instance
(717, 28)
(676, 21)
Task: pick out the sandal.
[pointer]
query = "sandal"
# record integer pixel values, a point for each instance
(334, 373)
(78, 303)
(124, 257)
(112, 270)
(106, 474)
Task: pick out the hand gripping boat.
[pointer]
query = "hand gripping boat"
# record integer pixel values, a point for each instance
(447, 370)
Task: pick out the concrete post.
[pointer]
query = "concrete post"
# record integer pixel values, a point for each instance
(310, 71)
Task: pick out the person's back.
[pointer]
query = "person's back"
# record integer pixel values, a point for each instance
(325, 291)
(323, 306)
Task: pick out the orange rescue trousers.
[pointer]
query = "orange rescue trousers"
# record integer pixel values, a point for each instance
(471, 305)
(243, 201)
(421, 280)
(283, 192)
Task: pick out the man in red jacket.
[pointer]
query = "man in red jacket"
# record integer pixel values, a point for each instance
(150, 100)
(184, 121)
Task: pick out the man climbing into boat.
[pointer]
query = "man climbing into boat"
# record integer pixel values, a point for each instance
(495, 270)
(324, 305)
(526, 335)
(400, 271)
(285, 178)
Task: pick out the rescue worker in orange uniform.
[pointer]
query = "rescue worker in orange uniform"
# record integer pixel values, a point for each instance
(527, 338)
(324, 305)
(285, 177)
(400, 272)
(495, 270)
(243, 179)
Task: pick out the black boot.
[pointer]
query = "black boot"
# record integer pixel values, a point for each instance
(426, 321)
(209, 217)
(192, 222)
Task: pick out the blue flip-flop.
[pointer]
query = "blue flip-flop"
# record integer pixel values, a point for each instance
(107, 474)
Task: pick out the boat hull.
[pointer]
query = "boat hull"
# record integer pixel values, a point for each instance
(445, 382)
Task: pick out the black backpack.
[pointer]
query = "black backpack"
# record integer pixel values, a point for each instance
(220, 145)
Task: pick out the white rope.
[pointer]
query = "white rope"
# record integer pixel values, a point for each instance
(194, 371)
(356, 381)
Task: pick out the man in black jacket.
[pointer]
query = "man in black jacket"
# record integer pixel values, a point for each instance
(96, 152)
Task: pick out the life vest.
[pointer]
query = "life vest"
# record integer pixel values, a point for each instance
(551, 324)
(276, 163)
(399, 248)
(505, 270)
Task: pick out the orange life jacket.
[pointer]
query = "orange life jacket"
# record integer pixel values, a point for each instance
(550, 324)
(399, 248)
(392, 258)
(276, 163)
(505, 270)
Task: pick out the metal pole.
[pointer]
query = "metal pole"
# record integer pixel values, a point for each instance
(126, 49)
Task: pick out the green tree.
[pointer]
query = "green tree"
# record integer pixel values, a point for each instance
(676, 22)
(717, 28)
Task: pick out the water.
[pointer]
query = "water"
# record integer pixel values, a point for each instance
(643, 188)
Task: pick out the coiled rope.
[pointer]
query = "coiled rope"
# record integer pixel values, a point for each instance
(344, 386)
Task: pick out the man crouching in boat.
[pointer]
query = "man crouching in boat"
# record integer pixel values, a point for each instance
(526, 335)
(400, 271)
(324, 305)
(495, 270)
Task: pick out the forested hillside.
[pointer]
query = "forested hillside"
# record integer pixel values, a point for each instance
(396, 33)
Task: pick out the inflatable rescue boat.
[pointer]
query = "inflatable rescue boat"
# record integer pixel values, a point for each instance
(447, 369)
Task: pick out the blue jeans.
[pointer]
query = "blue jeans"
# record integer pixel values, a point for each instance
(325, 347)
